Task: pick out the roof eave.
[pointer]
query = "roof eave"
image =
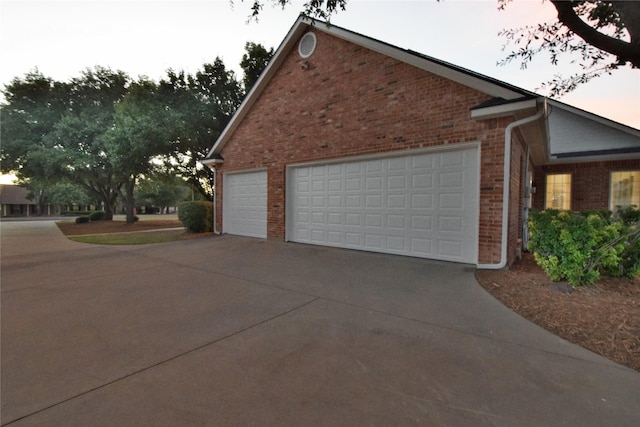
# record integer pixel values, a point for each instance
(506, 109)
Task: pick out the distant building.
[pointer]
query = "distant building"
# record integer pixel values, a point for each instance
(14, 202)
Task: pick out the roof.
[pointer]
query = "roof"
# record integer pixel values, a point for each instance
(488, 85)
(14, 195)
(564, 133)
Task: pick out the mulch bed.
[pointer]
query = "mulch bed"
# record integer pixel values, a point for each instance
(604, 318)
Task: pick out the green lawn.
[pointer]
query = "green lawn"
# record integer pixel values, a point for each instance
(139, 238)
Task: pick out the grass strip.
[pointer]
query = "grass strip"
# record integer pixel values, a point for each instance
(139, 238)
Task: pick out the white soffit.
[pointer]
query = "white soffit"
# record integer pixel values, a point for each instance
(503, 109)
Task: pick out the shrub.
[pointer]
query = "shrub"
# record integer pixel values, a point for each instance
(196, 217)
(629, 265)
(97, 215)
(578, 247)
(75, 213)
(82, 219)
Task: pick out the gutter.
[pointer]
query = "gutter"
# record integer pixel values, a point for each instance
(505, 188)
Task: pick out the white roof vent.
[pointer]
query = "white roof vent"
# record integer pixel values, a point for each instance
(307, 45)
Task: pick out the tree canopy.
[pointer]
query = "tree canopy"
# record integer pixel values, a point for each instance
(601, 36)
(253, 62)
(104, 132)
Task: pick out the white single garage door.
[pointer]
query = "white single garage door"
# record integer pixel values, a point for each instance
(423, 205)
(244, 204)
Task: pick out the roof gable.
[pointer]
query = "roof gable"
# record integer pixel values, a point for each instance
(566, 134)
(576, 134)
(443, 69)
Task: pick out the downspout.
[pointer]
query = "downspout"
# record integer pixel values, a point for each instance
(505, 187)
(215, 231)
(526, 199)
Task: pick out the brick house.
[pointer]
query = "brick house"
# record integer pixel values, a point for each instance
(350, 142)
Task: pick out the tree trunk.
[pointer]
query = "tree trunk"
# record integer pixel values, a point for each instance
(129, 200)
(109, 200)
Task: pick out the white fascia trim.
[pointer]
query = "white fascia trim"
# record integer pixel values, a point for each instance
(388, 154)
(502, 110)
(553, 160)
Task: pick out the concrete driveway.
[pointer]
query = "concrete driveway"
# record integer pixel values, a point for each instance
(239, 331)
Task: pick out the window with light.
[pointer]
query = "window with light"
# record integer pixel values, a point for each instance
(625, 189)
(558, 194)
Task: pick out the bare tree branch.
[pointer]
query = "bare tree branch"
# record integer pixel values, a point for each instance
(625, 51)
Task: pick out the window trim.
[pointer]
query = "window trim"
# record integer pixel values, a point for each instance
(610, 204)
(546, 189)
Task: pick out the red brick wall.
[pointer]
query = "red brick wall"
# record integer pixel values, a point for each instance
(590, 182)
(516, 191)
(353, 101)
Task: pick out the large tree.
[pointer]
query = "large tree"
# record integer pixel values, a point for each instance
(143, 128)
(605, 35)
(206, 101)
(75, 148)
(101, 131)
(53, 131)
(33, 105)
(162, 190)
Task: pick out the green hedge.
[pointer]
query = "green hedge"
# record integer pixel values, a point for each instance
(196, 217)
(579, 247)
(97, 215)
(82, 219)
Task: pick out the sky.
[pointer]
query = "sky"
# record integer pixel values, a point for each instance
(146, 37)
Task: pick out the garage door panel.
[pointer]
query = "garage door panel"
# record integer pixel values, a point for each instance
(335, 185)
(396, 222)
(448, 248)
(397, 201)
(335, 237)
(422, 205)
(421, 247)
(452, 158)
(422, 181)
(245, 204)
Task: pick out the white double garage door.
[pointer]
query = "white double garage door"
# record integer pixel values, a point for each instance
(424, 204)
